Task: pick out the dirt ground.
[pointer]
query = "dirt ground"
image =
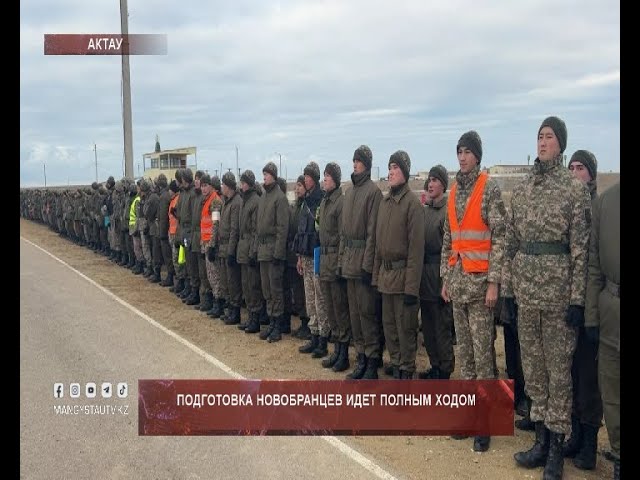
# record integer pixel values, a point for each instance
(412, 457)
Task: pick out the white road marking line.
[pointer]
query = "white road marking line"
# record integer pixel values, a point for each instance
(333, 441)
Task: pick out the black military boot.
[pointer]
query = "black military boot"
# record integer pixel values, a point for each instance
(616, 469)
(168, 280)
(321, 349)
(264, 318)
(555, 460)
(132, 262)
(342, 363)
(371, 372)
(572, 446)
(406, 375)
(525, 423)
(222, 305)
(333, 358)
(156, 277)
(537, 455)
(285, 326)
(178, 286)
(148, 270)
(481, 443)
(194, 298)
(585, 459)
(304, 321)
(123, 260)
(311, 345)
(186, 291)
(305, 332)
(388, 370)
(431, 374)
(254, 323)
(214, 311)
(233, 318)
(265, 333)
(361, 367)
(207, 301)
(137, 270)
(276, 333)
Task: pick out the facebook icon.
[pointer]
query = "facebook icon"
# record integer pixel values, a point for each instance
(58, 390)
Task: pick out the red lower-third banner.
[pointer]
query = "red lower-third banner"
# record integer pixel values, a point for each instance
(325, 407)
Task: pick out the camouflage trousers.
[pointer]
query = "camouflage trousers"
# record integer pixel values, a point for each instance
(316, 310)
(137, 248)
(474, 332)
(179, 268)
(213, 274)
(145, 241)
(547, 344)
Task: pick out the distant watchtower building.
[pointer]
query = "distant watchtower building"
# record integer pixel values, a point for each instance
(168, 161)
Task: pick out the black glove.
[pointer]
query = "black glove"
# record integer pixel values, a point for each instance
(174, 212)
(145, 230)
(231, 261)
(176, 243)
(410, 300)
(593, 334)
(253, 262)
(211, 254)
(366, 277)
(511, 310)
(575, 316)
(277, 262)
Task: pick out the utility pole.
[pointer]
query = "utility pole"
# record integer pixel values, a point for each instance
(95, 151)
(126, 93)
(44, 166)
(237, 168)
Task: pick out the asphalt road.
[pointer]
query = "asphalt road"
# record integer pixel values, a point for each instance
(73, 331)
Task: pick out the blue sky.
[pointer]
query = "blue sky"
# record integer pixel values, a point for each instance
(313, 80)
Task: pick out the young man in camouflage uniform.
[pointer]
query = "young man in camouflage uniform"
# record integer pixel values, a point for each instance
(273, 224)
(471, 263)
(332, 283)
(357, 250)
(305, 242)
(296, 283)
(397, 265)
(602, 326)
(545, 273)
(248, 252)
(586, 416)
(436, 314)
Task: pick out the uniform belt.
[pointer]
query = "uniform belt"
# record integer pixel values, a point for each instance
(348, 242)
(394, 265)
(544, 248)
(431, 258)
(328, 249)
(613, 288)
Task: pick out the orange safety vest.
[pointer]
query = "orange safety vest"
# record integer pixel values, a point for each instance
(173, 221)
(206, 222)
(471, 240)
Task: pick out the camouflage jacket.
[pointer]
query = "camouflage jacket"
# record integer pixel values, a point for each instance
(549, 205)
(466, 287)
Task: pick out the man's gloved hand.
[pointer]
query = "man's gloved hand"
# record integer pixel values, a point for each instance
(277, 262)
(145, 230)
(176, 242)
(174, 212)
(511, 310)
(211, 254)
(366, 277)
(575, 316)
(231, 261)
(410, 300)
(253, 262)
(593, 334)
